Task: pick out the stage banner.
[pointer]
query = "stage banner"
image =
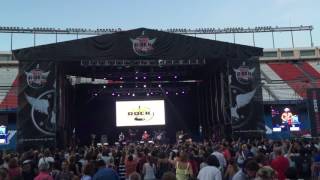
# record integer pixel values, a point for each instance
(245, 96)
(313, 95)
(36, 123)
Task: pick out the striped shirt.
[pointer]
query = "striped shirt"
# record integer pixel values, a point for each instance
(122, 171)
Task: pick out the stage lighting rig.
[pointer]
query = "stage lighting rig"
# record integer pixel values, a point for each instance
(143, 62)
(98, 31)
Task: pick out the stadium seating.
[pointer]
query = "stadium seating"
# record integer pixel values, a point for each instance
(8, 88)
(276, 85)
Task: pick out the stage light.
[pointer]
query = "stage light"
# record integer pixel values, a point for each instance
(118, 95)
(104, 78)
(159, 77)
(95, 94)
(148, 94)
(121, 78)
(177, 93)
(151, 93)
(167, 92)
(133, 94)
(113, 94)
(159, 85)
(182, 92)
(128, 94)
(104, 87)
(136, 86)
(175, 76)
(145, 86)
(121, 86)
(144, 77)
(136, 77)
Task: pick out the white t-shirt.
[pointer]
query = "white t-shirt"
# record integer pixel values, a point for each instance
(46, 160)
(149, 171)
(209, 173)
(220, 157)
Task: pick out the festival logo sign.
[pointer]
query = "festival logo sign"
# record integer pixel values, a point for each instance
(244, 74)
(37, 78)
(42, 112)
(141, 114)
(143, 45)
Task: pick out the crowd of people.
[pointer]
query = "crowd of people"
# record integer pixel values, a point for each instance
(209, 160)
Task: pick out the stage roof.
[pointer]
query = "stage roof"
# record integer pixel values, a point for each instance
(135, 44)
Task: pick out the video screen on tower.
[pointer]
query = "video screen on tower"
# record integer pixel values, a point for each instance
(285, 118)
(140, 113)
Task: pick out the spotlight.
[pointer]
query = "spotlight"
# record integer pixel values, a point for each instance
(128, 94)
(133, 94)
(159, 77)
(144, 77)
(159, 85)
(104, 78)
(121, 86)
(182, 92)
(151, 93)
(136, 77)
(118, 95)
(148, 94)
(95, 94)
(121, 78)
(177, 93)
(104, 87)
(145, 86)
(175, 76)
(167, 92)
(113, 94)
(136, 86)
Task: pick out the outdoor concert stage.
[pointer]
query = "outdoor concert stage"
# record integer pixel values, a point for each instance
(73, 89)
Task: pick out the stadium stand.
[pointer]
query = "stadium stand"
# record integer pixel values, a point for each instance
(8, 85)
(287, 73)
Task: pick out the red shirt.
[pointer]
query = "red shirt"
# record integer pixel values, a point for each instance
(15, 172)
(227, 154)
(280, 164)
(131, 167)
(43, 176)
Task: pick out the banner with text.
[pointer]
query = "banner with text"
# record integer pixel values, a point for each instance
(36, 123)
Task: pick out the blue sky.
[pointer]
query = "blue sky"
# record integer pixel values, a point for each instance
(128, 14)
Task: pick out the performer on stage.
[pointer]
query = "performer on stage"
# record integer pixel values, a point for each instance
(286, 117)
(145, 136)
(121, 137)
(160, 135)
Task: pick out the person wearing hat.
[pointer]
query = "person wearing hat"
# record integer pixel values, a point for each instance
(27, 171)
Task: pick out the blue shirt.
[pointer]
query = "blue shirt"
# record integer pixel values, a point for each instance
(106, 173)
